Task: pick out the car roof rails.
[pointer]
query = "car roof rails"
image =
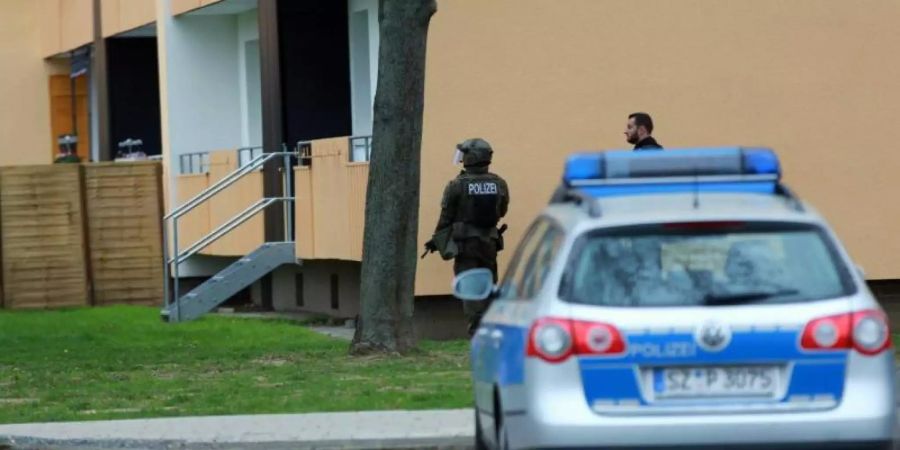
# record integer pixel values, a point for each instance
(564, 194)
(794, 201)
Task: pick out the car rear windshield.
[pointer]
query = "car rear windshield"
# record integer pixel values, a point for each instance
(705, 263)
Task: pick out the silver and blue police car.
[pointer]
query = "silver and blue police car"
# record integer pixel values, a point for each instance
(680, 298)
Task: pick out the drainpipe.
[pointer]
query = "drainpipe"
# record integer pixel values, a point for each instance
(273, 129)
(99, 72)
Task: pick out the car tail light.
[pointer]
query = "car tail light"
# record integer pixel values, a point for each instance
(871, 332)
(550, 339)
(554, 339)
(864, 331)
(594, 338)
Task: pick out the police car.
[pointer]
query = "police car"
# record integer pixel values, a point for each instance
(679, 298)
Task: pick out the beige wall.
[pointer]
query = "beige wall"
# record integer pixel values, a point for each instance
(124, 15)
(219, 209)
(68, 24)
(192, 226)
(230, 202)
(330, 206)
(24, 85)
(815, 79)
(183, 6)
(64, 24)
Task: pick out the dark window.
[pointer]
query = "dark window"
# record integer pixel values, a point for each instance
(133, 79)
(531, 262)
(315, 69)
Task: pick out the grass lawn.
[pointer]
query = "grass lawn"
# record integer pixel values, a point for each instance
(124, 362)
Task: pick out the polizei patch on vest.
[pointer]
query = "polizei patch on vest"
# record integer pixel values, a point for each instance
(483, 188)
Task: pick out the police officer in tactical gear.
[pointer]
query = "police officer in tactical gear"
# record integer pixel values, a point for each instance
(473, 204)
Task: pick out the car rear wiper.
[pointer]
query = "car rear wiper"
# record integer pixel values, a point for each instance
(745, 297)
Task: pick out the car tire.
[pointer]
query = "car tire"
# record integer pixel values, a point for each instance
(479, 435)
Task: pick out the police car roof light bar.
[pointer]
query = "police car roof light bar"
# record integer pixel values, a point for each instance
(720, 169)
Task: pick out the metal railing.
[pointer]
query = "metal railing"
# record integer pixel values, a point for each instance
(360, 148)
(172, 263)
(304, 152)
(190, 163)
(246, 154)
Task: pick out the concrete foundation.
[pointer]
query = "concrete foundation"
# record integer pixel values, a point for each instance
(331, 288)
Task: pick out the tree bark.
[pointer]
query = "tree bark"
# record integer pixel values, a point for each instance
(385, 323)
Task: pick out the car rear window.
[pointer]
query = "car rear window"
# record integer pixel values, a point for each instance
(704, 263)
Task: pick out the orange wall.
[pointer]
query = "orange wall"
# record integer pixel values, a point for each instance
(68, 24)
(124, 15)
(76, 24)
(231, 201)
(815, 79)
(183, 6)
(24, 85)
(64, 24)
(219, 209)
(195, 224)
(329, 214)
(541, 79)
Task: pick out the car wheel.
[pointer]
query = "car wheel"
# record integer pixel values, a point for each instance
(479, 436)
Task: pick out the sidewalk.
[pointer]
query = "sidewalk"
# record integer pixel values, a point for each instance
(434, 429)
(431, 429)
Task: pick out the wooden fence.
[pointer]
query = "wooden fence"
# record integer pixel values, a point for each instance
(80, 235)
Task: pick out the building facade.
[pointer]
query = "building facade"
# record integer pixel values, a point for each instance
(210, 84)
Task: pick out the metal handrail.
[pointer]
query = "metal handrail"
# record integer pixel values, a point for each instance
(251, 150)
(235, 222)
(304, 152)
(222, 184)
(287, 200)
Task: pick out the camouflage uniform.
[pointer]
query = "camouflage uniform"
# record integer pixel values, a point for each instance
(472, 205)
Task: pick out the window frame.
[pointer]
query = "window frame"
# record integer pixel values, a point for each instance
(536, 234)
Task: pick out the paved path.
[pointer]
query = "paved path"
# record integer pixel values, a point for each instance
(435, 429)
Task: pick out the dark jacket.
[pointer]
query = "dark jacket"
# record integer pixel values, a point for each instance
(648, 143)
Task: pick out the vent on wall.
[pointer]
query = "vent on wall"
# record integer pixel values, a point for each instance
(335, 304)
(298, 286)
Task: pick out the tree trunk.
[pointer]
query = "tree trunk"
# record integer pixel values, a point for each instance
(385, 322)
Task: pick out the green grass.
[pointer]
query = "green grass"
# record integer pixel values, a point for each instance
(123, 362)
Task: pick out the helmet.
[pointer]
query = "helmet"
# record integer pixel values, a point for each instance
(476, 152)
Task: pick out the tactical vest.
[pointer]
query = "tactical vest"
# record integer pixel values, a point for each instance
(480, 197)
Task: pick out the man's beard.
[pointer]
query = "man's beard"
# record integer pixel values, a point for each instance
(632, 139)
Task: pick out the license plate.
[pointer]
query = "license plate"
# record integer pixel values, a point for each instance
(715, 381)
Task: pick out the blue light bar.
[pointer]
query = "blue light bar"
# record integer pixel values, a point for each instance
(720, 169)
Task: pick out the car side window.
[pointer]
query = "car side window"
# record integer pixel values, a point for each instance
(539, 265)
(511, 286)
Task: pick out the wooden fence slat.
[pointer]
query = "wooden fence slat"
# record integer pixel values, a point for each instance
(70, 233)
(41, 215)
(125, 233)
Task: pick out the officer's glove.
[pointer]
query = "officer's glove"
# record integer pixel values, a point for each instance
(430, 247)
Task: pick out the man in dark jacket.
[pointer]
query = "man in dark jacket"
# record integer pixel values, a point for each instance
(473, 204)
(639, 130)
